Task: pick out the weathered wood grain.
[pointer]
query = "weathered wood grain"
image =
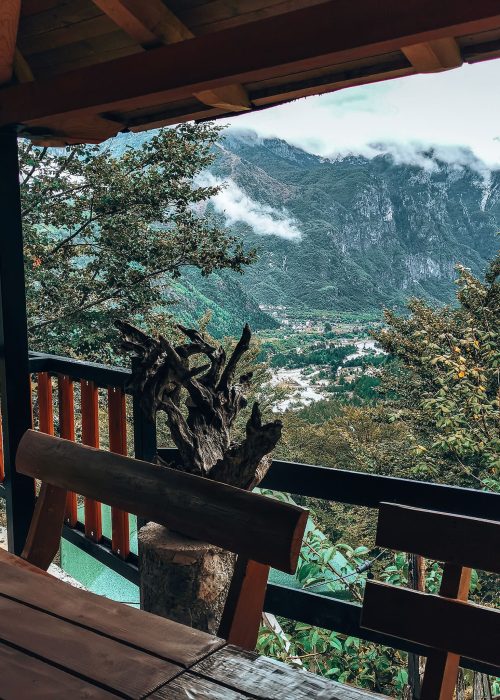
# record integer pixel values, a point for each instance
(457, 539)
(264, 678)
(190, 686)
(163, 638)
(222, 515)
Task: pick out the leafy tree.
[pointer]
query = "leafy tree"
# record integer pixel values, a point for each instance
(447, 387)
(106, 232)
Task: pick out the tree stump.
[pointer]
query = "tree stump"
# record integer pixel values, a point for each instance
(183, 579)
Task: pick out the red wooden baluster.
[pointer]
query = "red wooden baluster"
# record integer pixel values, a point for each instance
(45, 407)
(117, 421)
(67, 431)
(90, 436)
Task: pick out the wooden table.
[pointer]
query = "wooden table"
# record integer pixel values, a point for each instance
(61, 642)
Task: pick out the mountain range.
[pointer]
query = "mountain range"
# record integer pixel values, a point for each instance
(348, 233)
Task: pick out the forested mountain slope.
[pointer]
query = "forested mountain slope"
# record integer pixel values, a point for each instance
(342, 234)
(361, 232)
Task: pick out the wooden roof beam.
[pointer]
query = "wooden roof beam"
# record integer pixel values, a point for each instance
(151, 24)
(434, 56)
(320, 36)
(9, 22)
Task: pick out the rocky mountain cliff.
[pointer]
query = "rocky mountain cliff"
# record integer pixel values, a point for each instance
(343, 234)
(354, 233)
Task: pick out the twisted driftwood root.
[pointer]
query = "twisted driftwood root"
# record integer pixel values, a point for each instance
(214, 399)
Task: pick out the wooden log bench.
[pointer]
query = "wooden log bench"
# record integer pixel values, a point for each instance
(447, 622)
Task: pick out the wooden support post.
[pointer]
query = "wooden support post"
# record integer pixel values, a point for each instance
(441, 669)
(90, 436)
(14, 367)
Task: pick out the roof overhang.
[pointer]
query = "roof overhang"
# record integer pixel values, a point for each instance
(319, 48)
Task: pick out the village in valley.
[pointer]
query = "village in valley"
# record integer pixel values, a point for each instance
(318, 356)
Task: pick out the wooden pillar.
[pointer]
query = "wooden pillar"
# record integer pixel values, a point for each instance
(14, 367)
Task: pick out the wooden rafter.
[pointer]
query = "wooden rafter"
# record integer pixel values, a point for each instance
(434, 56)
(9, 21)
(317, 37)
(151, 24)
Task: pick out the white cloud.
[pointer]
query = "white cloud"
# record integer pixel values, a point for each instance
(451, 110)
(236, 206)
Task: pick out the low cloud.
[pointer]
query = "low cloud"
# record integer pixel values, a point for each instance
(238, 207)
(430, 157)
(451, 109)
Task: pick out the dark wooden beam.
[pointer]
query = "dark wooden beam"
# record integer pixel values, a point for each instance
(152, 24)
(315, 37)
(14, 367)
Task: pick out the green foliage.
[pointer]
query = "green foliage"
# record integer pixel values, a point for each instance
(448, 385)
(333, 356)
(107, 231)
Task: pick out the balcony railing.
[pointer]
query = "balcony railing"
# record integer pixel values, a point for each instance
(330, 484)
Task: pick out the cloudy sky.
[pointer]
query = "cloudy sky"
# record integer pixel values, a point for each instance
(450, 110)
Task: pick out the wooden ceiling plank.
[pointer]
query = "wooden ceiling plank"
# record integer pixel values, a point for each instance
(151, 24)
(333, 32)
(434, 56)
(220, 14)
(64, 36)
(9, 22)
(62, 14)
(33, 7)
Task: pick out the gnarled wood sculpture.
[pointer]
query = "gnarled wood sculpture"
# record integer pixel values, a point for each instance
(214, 399)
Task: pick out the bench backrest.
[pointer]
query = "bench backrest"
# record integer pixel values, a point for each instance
(447, 623)
(263, 532)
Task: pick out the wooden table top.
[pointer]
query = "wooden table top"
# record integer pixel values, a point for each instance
(62, 642)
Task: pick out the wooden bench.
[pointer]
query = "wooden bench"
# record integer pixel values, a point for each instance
(263, 532)
(447, 622)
